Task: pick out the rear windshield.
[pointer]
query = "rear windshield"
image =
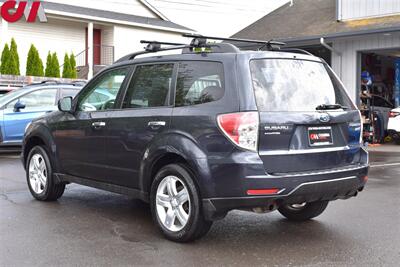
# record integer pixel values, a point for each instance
(295, 85)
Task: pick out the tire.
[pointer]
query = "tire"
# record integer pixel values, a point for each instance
(40, 188)
(303, 213)
(178, 215)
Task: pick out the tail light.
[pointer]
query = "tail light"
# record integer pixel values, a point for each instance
(241, 128)
(393, 114)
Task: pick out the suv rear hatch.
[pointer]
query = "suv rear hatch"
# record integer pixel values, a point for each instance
(307, 121)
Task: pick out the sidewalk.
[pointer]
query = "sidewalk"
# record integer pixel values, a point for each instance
(385, 148)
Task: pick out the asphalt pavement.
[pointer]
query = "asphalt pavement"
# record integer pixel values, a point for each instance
(89, 227)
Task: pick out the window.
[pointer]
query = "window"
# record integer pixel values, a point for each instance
(35, 99)
(199, 82)
(149, 87)
(295, 85)
(102, 95)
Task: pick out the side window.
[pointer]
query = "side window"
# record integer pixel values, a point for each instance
(36, 99)
(199, 82)
(149, 86)
(102, 95)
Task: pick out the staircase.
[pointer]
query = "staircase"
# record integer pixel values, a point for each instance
(107, 58)
(83, 71)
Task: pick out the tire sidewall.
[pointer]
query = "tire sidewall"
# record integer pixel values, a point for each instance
(185, 175)
(49, 182)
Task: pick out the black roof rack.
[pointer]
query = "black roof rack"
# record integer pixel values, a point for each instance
(200, 43)
(57, 82)
(263, 44)
(153, 47)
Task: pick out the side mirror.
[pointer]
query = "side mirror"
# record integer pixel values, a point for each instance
(18, 106)
(65, 104)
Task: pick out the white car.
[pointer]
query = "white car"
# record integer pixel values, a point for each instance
(394, 124)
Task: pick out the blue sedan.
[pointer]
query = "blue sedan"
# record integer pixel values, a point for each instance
(19, 107)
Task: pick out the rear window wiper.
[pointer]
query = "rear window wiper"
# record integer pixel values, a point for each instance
(330, 106)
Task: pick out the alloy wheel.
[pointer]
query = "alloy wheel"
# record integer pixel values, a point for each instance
(37, 173)
(173, 203)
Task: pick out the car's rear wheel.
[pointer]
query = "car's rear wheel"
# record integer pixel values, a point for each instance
(303, 211)
(176, 204)
(39, 175)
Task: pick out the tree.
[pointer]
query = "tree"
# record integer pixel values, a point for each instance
(5, 57)
(55, 66)
(14, 52)
(74, 73)
(34, 65)
(39, 70)
(67, 71)
(12, 65)
(48, 71)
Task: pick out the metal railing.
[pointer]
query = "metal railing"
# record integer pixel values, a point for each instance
(102, 55)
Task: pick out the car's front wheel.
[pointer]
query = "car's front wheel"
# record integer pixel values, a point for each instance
(304, 211)
(176, 204)
(39, 175)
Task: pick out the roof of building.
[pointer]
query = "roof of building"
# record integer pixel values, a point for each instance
(110, 15)
(312, 19)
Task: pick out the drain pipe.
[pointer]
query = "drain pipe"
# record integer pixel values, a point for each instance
(330, 48)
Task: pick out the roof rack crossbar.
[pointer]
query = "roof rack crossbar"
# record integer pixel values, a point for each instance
(158, 42)
(152, 48)
(270, 42)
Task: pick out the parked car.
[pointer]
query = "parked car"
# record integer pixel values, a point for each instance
(19, 107)
(394, 124)
(199, 134)
(381, 107)
(5, 90)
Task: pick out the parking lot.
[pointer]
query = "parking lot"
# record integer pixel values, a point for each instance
(89, 227)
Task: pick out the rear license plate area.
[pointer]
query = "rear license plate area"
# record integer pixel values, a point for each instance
(320, 136)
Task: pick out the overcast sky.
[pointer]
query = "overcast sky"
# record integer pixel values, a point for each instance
(212, 17)
(216, 17)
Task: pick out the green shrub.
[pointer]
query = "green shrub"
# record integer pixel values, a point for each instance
(12, 68)
(48, 71)
(67, 71)
(52, 66)
(55, 66)
(5, 57)
(14, 52)
(74, 73)
(34, 65)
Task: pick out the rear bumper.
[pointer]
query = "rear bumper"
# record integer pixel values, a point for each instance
(297, 189)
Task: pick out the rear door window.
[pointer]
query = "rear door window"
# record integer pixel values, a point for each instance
(149, 86)
(199, 82)
(295, 85)
(37, 99)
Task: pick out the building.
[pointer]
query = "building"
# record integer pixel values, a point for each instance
(351, 35)
(96, 37)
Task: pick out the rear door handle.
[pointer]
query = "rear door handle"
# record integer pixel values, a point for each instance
(156, 124)
(98, 124)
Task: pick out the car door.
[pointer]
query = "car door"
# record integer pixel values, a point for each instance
(81, 135)
(143, 119)
(33, 105)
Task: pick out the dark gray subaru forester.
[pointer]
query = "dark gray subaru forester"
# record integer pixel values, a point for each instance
(204, 132)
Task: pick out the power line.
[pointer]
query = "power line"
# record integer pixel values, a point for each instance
(169, 2)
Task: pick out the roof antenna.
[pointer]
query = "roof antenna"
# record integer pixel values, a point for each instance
(291, 3)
